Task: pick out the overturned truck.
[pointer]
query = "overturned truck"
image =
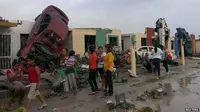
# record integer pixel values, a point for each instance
(47, 37)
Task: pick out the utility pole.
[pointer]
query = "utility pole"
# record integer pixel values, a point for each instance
(133, 58)
(182, 52)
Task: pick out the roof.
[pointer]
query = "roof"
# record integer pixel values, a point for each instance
(7, 24)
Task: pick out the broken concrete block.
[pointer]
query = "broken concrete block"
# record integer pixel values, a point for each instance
(117, 78)
(122, 98)
(117, 99)
(168, 88)
(123, 80)
(110, 105)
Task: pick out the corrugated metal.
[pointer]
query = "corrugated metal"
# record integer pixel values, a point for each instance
(5, 51)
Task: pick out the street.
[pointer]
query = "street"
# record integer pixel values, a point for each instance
(184, 80)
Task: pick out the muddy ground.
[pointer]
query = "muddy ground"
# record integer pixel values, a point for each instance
(185, 82)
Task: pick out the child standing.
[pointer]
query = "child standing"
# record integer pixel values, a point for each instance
(34, 79)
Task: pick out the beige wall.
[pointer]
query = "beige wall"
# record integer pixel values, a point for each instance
(138, 37)
(170, 43)
(197, 42)
(117, 33)
(79, 41)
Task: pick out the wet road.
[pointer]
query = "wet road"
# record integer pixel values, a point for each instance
(185, 96)
(185, 81)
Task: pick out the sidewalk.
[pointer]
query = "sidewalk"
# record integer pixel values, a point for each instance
(83, 101)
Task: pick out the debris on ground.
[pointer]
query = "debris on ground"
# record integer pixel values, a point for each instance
(124, 80)
(111, 105)
(56, 109)
(153, 94)
(131, 91)
(145, 109)
(132, 74)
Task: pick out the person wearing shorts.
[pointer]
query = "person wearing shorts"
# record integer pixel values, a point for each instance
(100, 67)
(34, 79)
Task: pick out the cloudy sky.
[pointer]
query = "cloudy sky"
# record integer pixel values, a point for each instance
(127, 15)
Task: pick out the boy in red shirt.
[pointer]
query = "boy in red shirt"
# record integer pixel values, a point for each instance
(34, 79)
(93, 69)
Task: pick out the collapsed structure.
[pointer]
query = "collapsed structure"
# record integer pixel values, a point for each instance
(46, 39)
(163, 32)
(187, 41)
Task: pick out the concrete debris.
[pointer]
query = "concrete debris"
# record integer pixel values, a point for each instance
(145, 109)
(111, 105)
(124, 80)
(154, 94)
(56, 110)
(168, 88)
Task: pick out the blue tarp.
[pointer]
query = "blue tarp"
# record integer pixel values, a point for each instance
(176, 46)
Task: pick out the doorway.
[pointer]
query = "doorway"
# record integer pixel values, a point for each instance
(23, 38)
(113, 40)
(89, 40)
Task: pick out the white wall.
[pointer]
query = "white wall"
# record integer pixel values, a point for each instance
(24, 28)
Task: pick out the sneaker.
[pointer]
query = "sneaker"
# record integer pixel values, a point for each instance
(158, 77)
(42, 107)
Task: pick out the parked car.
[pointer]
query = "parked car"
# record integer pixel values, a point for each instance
(147, 49)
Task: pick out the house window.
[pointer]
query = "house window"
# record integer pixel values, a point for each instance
(23, 38)
(122, 45)
(143, 41)
(5, 51)
(113, 41)
(89, 40)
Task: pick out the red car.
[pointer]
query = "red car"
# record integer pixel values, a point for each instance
(48, 34)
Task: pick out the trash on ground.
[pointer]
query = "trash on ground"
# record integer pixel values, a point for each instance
(56, 109)
(153, 94)
(145, 109)
(132, 74)
(111, 105)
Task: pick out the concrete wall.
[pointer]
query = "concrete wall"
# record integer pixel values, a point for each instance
(24, 28)
(118, 34)
(197, 42)
(139, 36)
(127, 42)
(78, 39)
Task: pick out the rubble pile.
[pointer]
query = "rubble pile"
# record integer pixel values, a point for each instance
(153, 94)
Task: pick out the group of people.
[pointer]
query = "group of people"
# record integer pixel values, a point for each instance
(15, 78)
(159, 54)
(99, 63)
(102, 63)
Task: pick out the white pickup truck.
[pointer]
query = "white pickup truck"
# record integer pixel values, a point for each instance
(147, 49)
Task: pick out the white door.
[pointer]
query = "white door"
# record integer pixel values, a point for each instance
(5, 51)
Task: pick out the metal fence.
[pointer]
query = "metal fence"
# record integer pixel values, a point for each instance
(5, 51)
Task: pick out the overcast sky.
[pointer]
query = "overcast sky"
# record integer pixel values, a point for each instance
(128, 15)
